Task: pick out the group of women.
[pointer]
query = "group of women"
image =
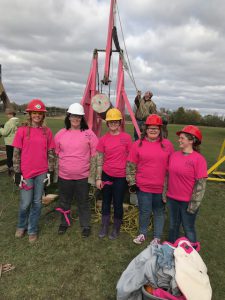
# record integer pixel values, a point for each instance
(149, 166)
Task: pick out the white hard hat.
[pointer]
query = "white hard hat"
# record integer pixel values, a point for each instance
(76, 109)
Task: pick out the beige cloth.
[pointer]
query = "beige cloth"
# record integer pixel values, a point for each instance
(191, 274)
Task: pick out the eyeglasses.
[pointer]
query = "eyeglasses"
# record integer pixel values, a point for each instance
(72, 116)
(41, 113)
(153, 128)
(114, 122)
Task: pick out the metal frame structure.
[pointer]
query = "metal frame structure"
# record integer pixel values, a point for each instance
(214, 169)
(94, 120)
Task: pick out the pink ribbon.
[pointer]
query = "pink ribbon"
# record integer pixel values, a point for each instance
(183, 240)
(25, 187)
(107, 183)
(65, 212)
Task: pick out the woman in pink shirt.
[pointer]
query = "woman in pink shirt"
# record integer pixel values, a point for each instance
(112, 152)
(146, 172)
(33, 157)
(186, 183)
(75, 145)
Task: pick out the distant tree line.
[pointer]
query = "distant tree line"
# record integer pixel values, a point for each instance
(51, 111)
(191, 116)
(179, 116)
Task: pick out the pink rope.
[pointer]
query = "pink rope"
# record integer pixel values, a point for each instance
(65, 212)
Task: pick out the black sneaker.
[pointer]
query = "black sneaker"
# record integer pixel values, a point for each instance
(86, 232)
(62, 229)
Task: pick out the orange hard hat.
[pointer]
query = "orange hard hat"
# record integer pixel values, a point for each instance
(193, 130)
(154, 120)
(36, 105)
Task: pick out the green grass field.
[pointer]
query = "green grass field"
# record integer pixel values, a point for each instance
(69, 267)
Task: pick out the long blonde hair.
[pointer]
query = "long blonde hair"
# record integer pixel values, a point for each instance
(28, 123)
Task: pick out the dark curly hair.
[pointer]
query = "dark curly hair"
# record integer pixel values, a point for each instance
(144, 134)
(83, 123)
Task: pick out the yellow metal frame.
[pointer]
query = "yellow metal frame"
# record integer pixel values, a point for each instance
(213, 169)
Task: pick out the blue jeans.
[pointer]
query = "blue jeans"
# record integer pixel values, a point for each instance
(151, 203)
(140, 124)
(30, 204)
(179, 215)
(115, 193)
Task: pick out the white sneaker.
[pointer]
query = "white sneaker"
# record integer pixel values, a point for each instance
(139, 239)
(155, 241)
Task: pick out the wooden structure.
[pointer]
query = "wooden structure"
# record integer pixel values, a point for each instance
(3, 96)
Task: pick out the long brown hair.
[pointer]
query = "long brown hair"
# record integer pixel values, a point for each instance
(83, 123)
(196, 142)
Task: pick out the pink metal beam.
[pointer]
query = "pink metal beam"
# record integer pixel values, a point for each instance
(121, 98)
(93, 120)
(109, 42)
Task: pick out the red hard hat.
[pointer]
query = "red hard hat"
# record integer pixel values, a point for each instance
(36, 105)
(193, 130)
(154, 120)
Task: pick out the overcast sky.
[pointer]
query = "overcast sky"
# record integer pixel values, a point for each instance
(176, 49)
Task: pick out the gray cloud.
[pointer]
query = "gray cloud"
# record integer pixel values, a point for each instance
(175, 48)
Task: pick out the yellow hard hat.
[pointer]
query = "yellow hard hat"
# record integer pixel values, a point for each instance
(113, 114)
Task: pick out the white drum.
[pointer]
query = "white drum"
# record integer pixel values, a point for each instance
(100, 103)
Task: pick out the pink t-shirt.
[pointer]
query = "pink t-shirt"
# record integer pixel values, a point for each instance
(184, 170)
(115, 149)
(34, 149)
(75, 149)
(151, 160)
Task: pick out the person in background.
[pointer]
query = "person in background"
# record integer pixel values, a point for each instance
(8, 132)
(147, 165)
(165, 120)
(75, 146)
(186, 183)
(112, 152)
(143, 107)
(33, 159)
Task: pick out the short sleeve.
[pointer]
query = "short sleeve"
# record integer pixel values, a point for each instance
(201, 168)
(133, 154)
(51, 143)
(18, 139)
(57, 141)
(129, 143)
(171, 148)
(101, 145)
(93, 142)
